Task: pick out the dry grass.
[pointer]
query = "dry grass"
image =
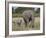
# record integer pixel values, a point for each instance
(22, 27)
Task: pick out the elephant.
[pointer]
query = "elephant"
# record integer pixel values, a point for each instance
(28, 17)
(18, 21)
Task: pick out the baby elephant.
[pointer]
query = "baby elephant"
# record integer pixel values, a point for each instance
(28, 17)
(19, 22)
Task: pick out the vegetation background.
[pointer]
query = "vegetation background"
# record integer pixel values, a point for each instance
(17, 13)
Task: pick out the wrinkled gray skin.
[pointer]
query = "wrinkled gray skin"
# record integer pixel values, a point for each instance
(28, 17)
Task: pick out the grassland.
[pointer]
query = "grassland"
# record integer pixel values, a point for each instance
(18, 13)
(22, 27)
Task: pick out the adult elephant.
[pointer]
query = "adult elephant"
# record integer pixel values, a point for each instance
(28, 17)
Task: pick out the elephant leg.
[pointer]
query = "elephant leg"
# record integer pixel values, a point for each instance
(25, 22)
(32, 22)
